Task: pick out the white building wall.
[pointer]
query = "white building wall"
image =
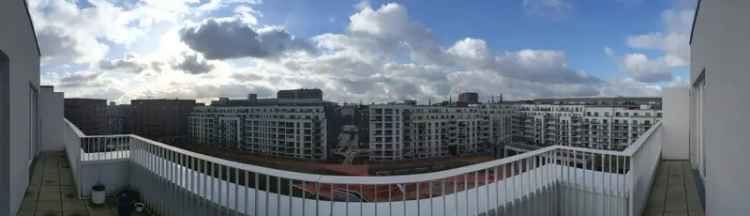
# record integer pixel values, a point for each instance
(676, 107)
(51, 114)
(17, 41)
(719, 46)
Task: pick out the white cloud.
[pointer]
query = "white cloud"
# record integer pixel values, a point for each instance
(673, 42)
(647, 70)
(470, 48)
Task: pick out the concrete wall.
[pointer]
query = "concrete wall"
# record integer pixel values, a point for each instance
(720, 46)
(17, 41)
(51, 119)
(4, 139)
(676, 109)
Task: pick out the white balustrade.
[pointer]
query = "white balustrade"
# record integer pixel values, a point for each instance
(556, 180)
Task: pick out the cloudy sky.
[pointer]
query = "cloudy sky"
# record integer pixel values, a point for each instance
(362, 51)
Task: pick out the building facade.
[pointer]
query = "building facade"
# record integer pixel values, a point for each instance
(117, 118)
(164, 120)
(286, 131)
(581, 125)
(718, 102)
(405, 131)
(89, 114)
(19, 103)
(300, 94)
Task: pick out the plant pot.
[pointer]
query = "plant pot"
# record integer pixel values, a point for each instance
(98, 194)
(139, 207)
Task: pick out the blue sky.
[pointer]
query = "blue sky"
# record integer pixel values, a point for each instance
(581, 32)
(363, 50)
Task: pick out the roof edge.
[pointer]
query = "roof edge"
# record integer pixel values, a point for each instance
(31, 22)
(695, 17)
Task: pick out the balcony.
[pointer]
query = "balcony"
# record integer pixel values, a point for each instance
(555, 180)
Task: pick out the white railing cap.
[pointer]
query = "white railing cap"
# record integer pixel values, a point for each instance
(382, 180)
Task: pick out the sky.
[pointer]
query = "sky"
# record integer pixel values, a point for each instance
(362, 51)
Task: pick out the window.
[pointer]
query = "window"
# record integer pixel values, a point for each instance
(697, 97)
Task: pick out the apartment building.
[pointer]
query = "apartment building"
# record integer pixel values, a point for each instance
(117, 116)
(406, 131)
(497, 126)
(600, 127)
(300, 94)
(164, 120)
(88, 113)
(654, 102)
(286, 131)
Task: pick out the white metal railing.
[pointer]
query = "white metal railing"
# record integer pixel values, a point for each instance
(556, 180)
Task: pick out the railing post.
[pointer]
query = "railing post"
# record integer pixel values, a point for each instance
(633, 177)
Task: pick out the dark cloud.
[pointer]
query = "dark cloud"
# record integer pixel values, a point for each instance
(128, 64)
(58, 47)
(193, 64)
(77, 79)
(227, 38)
(208, 91)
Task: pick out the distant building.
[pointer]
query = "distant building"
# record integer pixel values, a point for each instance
(359, 116)
(404, 131)
(300, 94)
(581, 125)
(117, 118)
(468, 98)
(299, 124)
(631, 102)
(88, 114)
(164, 120)
(287, 131)
(295, 97)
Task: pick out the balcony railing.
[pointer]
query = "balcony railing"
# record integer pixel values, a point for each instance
(556, 180)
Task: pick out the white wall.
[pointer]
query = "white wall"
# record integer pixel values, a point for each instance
(720, 46)
(113, 173)
(17, 42)
(51, 116)
(676, 109)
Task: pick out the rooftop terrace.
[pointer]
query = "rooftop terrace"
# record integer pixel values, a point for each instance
(556, 180)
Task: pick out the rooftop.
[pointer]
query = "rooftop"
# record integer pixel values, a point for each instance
(174, 181)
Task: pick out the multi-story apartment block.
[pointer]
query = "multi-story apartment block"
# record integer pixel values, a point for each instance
(164, 120)
(89, 114)
(386, 131)
(117, 118)
(581, 125)
(498, 124)
(617, 127)
(287, 131)
(300, 95)
(403, 131)
(654, 102)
